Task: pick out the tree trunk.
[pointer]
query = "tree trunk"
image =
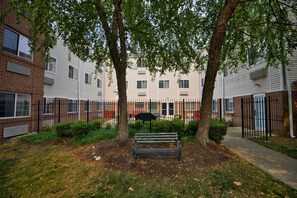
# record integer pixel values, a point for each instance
(214, 55)
(115, 34)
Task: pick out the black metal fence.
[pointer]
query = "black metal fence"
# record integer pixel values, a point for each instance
(261, 118)
(53, 111)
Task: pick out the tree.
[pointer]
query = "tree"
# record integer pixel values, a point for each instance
(266, 25)
(102, 31)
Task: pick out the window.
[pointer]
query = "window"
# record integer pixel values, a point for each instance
(72, 73)
(153, 106)
(141, 84)
(48, 105)
(229, 104)
(88, 104)
(17, 44)
(139, 105)
(14, 105)
(191, 106)
(251, 54)
(163, 83)
(88, 78)
(141, 62)
(214, 105)
(72, 106)
(99, 106)
(50, 65)
(183, 84)
(99, 83)
(108, 106)
(202, 82)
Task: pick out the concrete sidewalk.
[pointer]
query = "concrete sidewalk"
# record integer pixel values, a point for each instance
(276, 164)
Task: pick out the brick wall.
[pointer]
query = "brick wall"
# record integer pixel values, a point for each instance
(18, 83)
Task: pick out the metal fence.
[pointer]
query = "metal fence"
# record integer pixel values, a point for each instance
(53, 111)
(261, 118)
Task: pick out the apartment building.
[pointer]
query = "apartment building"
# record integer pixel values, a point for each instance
(21, 76)
(165, 93)
(72, 83)
(277, 84)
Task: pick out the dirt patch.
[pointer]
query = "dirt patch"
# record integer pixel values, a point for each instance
(116, 155)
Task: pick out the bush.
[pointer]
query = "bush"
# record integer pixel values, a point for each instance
(137, 125)
(108, 126)
(177, 125)
(47, 128)
(64, 130)
(192, 128)
(216, 131)
(97, 124)
(158, 126)
(39, 137)
(80, 128)
(95, 136)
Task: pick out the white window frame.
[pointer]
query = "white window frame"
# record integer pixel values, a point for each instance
(46, 103)
(74, 74)
(191, 106)
(74, 102)
(137, 107)
(141, 63)
(88, 78)
(54, 66)
(143, 84)
(16, 95)
(184, 84)
(228, 102)
(215, 105)
(154, 107)
(164, 84)
(99, 83)
(19, 45)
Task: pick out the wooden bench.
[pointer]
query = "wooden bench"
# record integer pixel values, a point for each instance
(156, 145)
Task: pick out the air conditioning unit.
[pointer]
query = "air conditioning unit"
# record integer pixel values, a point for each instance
(141, 93)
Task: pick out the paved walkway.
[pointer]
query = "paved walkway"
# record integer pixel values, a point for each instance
(276, 164)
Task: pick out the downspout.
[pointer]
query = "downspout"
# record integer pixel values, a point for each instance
(289, 103)
(78, 90)
(223, 96)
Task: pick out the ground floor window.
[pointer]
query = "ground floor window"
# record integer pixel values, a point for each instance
(229, 104)
(153, 106)
(88, 104)
(72, 106)
(139, 105)
(215, 105)
(191, 106)
(14, 104)
(48, 105)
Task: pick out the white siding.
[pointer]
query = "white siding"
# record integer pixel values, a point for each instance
(65, 87)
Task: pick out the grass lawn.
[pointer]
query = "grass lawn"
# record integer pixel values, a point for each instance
(287, 146)
(63, 169)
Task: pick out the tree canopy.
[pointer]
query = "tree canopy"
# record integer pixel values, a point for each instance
(170, 34)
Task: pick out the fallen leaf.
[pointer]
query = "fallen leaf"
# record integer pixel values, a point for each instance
(237, 183)
(130, 189)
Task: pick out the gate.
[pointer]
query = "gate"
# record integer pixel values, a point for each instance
(261, 118)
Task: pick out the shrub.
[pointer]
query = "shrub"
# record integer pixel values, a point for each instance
(158, 126)
(216, 131)
(136, 125)
(108, 126)
(177, 125)
(64, 130)
(47, 128)
(80, 128)
(132, 132)
(192, 128)
(97, 124)
(39, 137)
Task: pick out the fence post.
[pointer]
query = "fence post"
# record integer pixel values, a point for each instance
(184, 111)
(242, 119)
(118, 112)
(38, 116)
(88, 112)
(150, 113)
(270, 126)
(266, 119)
(59, 112)
(220, 112)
